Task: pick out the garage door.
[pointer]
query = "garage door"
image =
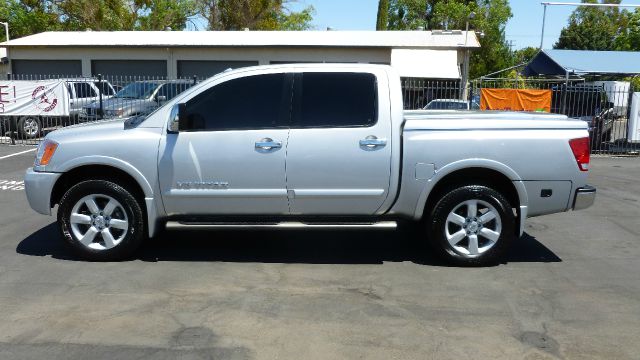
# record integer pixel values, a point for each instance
(142, 68)
(207, 68)
(46, 68)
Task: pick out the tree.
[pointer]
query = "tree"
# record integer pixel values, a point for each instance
(383, 15)
(593, 28)
(27, 17)
(491, 17)
(524, 55)
(629, 37)
(254, 14)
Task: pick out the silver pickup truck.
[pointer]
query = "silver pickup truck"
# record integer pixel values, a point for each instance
(310, 146)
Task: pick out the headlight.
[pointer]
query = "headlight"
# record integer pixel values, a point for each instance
(45, 152)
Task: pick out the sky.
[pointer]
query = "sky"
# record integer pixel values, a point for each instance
(524, 28)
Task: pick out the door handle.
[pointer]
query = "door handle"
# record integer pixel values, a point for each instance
(268, 144)
(372, 142)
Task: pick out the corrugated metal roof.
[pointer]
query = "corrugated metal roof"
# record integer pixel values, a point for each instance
(389, 39)
(558, 62)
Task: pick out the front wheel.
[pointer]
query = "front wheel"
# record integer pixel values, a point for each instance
(101, 221)
(472, 226)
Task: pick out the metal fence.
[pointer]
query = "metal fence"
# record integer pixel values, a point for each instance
(33, 105)
(605, 106)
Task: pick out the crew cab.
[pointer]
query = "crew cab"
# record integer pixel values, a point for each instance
(310, 146)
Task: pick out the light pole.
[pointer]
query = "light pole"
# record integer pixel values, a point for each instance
(465, 70)
(6, 29)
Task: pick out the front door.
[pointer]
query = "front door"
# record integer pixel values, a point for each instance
(231, 160)
(339, 155)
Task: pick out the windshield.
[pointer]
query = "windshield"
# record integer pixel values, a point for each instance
(137, 90)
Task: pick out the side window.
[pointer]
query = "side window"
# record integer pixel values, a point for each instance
(253, 102)
(83, 90)
(172, 89)
(103, 87)
(337, 100)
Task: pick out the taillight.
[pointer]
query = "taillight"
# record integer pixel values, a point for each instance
(580, 148)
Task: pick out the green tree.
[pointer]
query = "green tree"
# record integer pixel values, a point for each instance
(629, 38)
(524, 55)
(160, 14)
(491, 17)
(383, 15)
(593, 28)
(254, 14)
(27, 17)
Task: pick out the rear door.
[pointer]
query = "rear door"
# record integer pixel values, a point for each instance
(339, 155)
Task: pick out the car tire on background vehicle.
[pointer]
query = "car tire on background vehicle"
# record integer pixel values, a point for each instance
(29, 127)
(101, 221)
(472, 225)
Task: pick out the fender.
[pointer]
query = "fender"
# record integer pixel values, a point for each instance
(108, 161)
(465, 164)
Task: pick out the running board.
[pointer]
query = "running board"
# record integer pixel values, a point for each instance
(285, 225)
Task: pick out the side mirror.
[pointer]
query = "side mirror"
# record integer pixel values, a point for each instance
(161, 98)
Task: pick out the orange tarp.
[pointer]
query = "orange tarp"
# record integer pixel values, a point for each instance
(515, 100)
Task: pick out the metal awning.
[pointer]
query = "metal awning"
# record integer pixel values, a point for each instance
(562, 62)
(434, 64)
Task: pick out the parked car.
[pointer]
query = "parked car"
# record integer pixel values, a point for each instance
(452, 104)
(310, 146)
(28, 121)
(137, 98)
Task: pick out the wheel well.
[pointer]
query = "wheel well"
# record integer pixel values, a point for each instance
(474, 176)
(96, 172)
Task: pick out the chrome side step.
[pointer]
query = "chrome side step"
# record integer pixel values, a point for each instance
(285, 225)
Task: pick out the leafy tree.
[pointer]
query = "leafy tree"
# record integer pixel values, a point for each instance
(27, 17)
(491, 17)
(524, 55)
(160, 14)
(254, 14)
(629, 37)
(593, 28)
(383, 15)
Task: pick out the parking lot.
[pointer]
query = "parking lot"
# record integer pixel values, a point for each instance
(571, 289)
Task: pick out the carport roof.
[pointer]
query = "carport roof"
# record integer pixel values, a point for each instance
(388, 39)
(561, 62)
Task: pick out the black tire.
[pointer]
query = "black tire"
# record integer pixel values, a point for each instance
(438, 227)
(132, 236)
(29, 127)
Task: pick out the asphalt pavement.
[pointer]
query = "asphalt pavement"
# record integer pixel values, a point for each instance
(570, 289)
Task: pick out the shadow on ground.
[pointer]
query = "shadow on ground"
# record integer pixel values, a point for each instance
(312, 247)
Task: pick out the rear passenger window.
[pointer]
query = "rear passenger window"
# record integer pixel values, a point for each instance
(253, 102)
(84, 90)
(337, 100)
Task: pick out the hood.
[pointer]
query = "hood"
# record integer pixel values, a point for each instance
(117, 103)
(88, 130)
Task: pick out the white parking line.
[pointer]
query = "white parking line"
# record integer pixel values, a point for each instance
(15, 185)
(18, 153)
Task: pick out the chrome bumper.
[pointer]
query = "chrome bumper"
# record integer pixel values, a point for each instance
(585, 196)
(38, 186)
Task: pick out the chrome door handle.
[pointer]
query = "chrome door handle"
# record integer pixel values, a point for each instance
(372, 142)
(268, 144)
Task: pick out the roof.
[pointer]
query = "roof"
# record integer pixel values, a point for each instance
(385, 39)
(560, 62)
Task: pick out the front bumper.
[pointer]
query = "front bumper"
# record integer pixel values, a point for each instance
(585, 196)
(38, 186)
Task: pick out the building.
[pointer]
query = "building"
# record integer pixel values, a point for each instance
(172, 54)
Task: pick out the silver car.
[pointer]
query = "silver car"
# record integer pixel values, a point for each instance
(137, 98)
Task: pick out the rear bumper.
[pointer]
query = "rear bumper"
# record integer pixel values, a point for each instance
(38, 186)
(585, 196)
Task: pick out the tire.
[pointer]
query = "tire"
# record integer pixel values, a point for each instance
(109, 229)
(29, 127)
(453, 225)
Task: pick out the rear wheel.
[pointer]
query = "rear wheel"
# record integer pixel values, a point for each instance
(101, 221)
(472, 226)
